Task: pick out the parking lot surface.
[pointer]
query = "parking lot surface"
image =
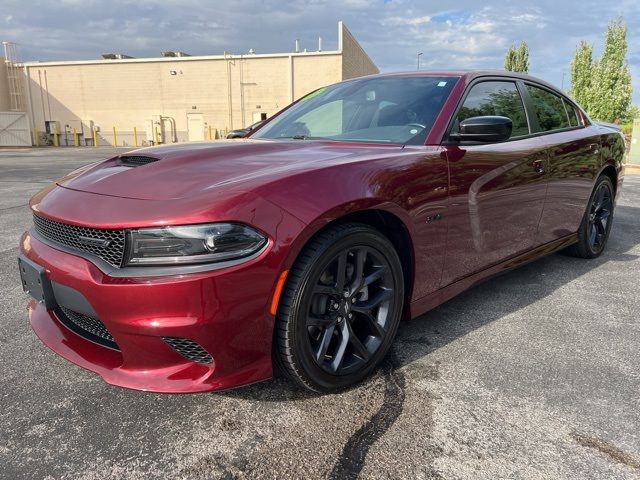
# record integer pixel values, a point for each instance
(532, 375)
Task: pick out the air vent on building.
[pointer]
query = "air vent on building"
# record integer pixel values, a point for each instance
(174, 54)
(115, 56)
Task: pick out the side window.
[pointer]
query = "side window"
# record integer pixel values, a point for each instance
(496, 98)
(549, 108)
(571, 112)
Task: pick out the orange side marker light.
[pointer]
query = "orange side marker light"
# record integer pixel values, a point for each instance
(275, 300)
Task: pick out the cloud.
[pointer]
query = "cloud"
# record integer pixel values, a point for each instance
(398, 21)
(469, 34)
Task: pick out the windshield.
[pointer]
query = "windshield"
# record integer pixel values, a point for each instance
(381, 109)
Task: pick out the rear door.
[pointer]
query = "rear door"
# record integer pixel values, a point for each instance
(573, 150)
(497, 190)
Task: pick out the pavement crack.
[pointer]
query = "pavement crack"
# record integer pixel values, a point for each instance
(355, 450)
(13, 207)
(613, 452)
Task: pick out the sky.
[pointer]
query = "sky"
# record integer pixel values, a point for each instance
(465, 34)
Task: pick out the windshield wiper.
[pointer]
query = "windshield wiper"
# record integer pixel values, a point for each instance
(301, 137)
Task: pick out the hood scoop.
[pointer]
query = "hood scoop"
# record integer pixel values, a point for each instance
(192, 170)
(135, 160)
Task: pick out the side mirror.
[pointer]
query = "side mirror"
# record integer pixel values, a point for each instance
(257, 125)
(489, 128)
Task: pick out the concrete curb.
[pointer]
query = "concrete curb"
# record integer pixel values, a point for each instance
(632, 169)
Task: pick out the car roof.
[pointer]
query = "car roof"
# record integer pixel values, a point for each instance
(468, 76)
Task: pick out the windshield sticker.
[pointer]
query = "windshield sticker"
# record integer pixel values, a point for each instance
(442, 84)
(313, 94)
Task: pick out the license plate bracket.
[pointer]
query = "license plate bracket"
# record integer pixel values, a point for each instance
(35, 282)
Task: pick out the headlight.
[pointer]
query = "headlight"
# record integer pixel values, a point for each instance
(216, 242)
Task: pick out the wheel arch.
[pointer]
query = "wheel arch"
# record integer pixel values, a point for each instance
(392, 227)
(387, 219)
(610, 171)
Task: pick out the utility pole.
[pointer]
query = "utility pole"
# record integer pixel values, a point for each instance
(419, 55)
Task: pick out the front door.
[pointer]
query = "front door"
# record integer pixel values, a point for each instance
(497, 190)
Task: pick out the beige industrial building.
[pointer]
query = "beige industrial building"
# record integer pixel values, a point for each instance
(5, 103)
(173, 98)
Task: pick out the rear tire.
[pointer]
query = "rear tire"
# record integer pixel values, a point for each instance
(594, 229)
(340, 308)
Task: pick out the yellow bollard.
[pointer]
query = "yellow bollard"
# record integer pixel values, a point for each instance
(76, 143)
(36, 137)
(155, 136)
(135, 136)
(95, 136)
(56, 142)
(115, 137)
(210, 137)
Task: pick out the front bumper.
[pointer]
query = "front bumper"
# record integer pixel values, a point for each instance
(224, 311)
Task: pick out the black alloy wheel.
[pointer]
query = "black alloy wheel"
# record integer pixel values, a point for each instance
(599, 214)
(340, 309)
(596, 223)
(349, 309)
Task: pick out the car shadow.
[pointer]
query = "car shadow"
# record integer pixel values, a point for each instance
(502, 295)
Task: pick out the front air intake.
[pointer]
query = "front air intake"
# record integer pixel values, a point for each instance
(87, 327)
(189, 349)
(135, 160)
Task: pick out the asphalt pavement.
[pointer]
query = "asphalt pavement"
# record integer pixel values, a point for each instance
(531, 375)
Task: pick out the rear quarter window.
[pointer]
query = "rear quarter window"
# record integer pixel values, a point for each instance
(549, 109)
(571, 112)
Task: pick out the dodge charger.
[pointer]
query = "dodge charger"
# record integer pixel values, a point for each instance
(205, 266)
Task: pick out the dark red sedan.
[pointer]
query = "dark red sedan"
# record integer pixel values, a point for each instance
(199, 267)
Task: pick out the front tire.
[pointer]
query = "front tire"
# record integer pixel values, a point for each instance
(340, 309)
(596, 223)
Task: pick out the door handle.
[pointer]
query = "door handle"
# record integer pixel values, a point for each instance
(594, 147)
(538, 166)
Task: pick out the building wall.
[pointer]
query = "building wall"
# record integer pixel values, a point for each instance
(130, 94)
(311, 74)
(355, 61)
(171, 94)
(5, 101)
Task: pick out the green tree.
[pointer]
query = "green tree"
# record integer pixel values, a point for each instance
(517, 58)
(632, 113)
(606, 95)
(581, 71)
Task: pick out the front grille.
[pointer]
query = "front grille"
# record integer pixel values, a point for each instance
(135, 160)
(189, 349)
(106, 244)
(88, 327)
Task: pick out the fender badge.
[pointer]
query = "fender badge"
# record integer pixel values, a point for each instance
(435, 217)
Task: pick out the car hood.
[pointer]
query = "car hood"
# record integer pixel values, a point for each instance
(179, 171)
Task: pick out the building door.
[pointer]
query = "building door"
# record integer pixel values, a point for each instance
(14, 130)
(258, 117)
(195, 125)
